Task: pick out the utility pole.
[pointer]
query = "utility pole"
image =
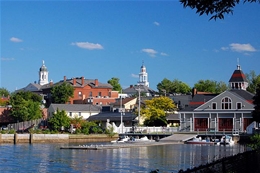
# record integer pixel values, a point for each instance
(121, 111)
(139, 90)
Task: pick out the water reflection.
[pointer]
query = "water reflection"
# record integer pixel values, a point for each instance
(167, 158)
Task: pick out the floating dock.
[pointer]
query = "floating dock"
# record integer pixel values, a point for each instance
(115, 146)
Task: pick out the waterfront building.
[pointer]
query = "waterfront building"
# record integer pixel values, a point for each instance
(227, 111)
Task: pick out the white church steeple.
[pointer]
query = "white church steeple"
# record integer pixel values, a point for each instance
(143, 76)
(43, 74)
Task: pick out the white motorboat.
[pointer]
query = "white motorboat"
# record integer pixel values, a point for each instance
(121, 139)
(142, 139)
(199, 141)
(226, 140)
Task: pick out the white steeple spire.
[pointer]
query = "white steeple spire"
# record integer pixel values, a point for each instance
(43, 74)
(143, 76)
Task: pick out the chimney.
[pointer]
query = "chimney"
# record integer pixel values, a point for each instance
(82, 81)
(64, 78)
(194, 92)
(96, 82)
(74, 81)
(51, 82)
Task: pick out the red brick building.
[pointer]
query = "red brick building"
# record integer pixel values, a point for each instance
(86, 91)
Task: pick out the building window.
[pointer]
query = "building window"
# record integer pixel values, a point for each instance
(90, 94)
(99, 94)
(214, 105)
(226, 103)
(80, 94)
(239, 105)
(70, 114)
(79, 114)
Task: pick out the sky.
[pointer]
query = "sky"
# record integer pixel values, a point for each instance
(105, 39)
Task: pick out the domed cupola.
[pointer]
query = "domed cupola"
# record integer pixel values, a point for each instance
(43, 74)
(143, 76)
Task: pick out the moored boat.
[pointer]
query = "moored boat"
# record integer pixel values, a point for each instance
(199, 141)
(226, 140)
(121, 139)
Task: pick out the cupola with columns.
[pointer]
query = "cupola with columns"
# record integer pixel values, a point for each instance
(43, 74)
(143, 76)
(238, 79)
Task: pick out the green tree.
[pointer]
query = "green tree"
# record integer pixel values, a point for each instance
(115, 83)
(59, 119)
(164, 86)
(216, 8)
(4, 92)
(180, 87)
(26, 106)
(175, 86)
(256, 102)
(253, 81)
(210, 86)
(61, 93)
(156, 109)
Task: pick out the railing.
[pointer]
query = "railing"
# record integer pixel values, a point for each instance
(22, 126)
(156, 130)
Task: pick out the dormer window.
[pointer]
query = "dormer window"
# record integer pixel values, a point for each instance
(226, 103)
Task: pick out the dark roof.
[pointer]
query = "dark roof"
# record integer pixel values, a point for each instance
(90, 82)
(238, 76)
(244, 94)
(198, 100)
(112, 116)
(133, 89)
(76, 107)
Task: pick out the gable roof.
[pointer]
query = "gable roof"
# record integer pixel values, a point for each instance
(79, 83)
(33, 87)
(244, 94)
(76, 107)
(144, 89)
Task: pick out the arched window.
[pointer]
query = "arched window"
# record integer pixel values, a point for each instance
(226, 103)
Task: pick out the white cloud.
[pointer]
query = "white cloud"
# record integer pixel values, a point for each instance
(7, 59)
(224, 48)
(16, 40)
(242, 47)
(164, 54)
(87, 45)
(134, 75)
(156, 23)
(150, 52)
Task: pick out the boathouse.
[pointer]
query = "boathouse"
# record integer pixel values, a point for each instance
(228, 111)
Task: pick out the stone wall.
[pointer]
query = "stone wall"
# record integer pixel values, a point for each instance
(52, 138)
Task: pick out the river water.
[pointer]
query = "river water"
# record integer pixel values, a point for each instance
(49, 158)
